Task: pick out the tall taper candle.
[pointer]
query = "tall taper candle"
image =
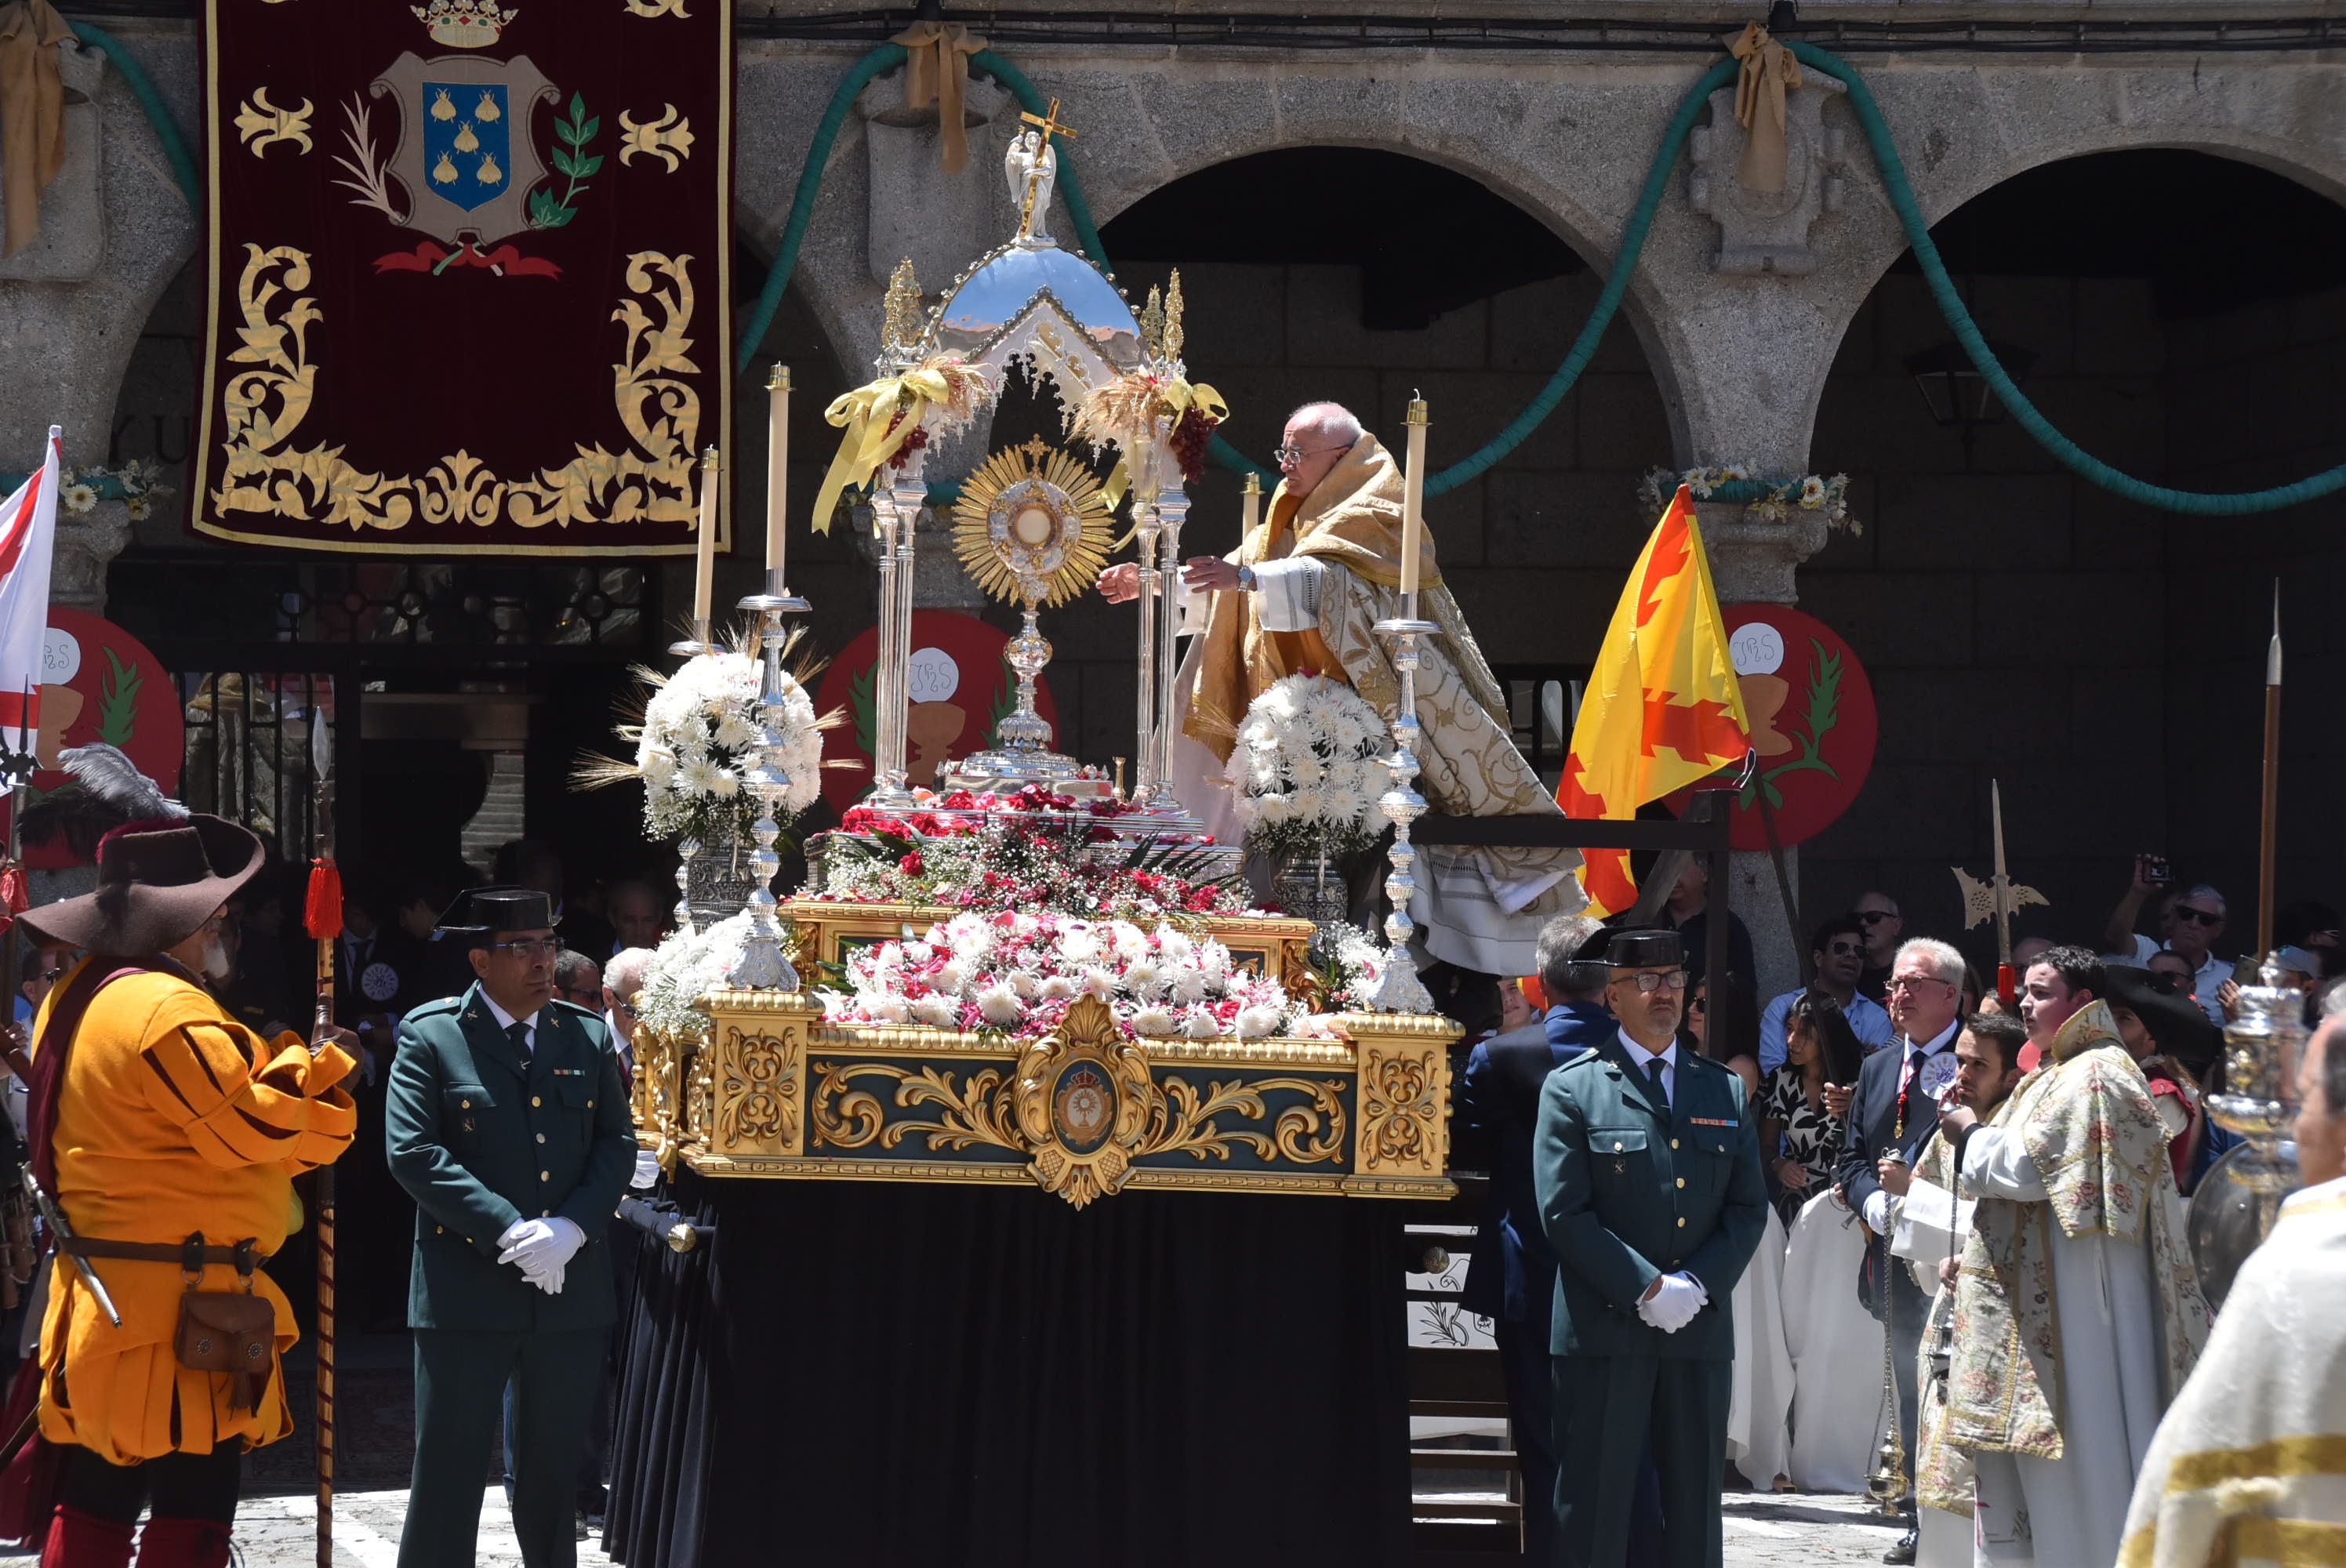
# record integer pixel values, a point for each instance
(704, 563)
(1412, 516)
(777, 459)
(1253, 503)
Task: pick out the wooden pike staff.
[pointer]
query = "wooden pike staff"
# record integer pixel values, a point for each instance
(323, 915)
(2268, 830)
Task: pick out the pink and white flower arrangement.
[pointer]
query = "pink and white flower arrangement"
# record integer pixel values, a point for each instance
(1018, 972)
(1308, 766)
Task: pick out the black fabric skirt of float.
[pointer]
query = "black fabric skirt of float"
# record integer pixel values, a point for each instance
(880, 1373)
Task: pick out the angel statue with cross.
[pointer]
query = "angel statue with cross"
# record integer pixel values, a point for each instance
(1031, 165)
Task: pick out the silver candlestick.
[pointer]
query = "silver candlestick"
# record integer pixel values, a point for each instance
(1398, 989)
(896, 508)
(1145, 523)
(763, 964)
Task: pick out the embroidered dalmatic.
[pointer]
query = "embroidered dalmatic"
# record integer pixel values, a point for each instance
(2250, 1465)
(2077, 1310)
(1329, 568)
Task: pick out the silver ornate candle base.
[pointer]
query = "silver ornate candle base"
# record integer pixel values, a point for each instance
(2239, 1196)
(687, 848)
(763, 964)
(1398, 989)
(697, 643)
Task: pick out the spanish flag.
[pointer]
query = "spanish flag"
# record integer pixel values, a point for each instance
(1662, 709)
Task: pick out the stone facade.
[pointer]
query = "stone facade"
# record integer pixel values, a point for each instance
(1972, 588)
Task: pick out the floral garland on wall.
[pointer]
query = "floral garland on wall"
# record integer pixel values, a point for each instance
(79, 490)
(1777, 498)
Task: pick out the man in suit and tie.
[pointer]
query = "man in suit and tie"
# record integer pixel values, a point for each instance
(1511, 1277)
(1896, 1107)
(1646, 1164)
(508, 1125)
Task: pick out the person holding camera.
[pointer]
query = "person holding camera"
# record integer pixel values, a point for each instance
(2189, 924)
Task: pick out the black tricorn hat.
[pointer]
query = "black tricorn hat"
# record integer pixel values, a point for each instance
(2178, 1027)
(481, 911)
(1644, 949)
(157, 882)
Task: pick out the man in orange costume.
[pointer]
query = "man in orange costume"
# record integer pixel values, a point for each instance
(156, 1117)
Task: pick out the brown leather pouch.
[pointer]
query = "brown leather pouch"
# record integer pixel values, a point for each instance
(231, 1331)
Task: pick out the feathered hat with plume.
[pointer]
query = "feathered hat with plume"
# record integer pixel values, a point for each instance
(161, 874)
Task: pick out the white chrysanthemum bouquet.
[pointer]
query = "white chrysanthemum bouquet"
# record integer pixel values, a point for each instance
(686, 966)
(1308, 766)
(698, 742)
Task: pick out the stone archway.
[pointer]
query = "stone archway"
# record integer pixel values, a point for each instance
(2100, 658)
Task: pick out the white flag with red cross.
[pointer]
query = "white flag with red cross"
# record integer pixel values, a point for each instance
(28, 531)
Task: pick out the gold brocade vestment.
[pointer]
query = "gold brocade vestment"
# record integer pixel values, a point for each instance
(1482, 907)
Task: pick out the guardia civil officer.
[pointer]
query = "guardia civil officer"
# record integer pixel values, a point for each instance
(1647, 1163)
(507, 1122)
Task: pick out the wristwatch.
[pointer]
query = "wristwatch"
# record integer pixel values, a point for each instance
(1247, 579)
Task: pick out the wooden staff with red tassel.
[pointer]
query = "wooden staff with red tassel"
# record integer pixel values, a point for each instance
(322, 917)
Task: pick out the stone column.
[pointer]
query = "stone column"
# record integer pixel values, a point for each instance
(115, 227)
(1753, 560)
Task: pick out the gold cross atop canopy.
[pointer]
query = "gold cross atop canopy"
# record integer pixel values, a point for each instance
(1047, 123)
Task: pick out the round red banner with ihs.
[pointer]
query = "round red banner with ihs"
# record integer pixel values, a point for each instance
(959, 687)
(100, 683)
(1812, 722)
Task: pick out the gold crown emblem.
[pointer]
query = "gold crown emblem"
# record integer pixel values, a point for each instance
(463, 24)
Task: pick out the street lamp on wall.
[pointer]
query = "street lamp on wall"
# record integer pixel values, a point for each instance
(1957, 395)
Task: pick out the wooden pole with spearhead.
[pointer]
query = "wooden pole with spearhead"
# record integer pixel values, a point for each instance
(2268, 827)
(323, 916)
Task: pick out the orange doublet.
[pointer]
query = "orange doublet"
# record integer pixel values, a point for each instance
(174, 1119)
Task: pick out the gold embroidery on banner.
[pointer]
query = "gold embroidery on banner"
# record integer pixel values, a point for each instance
(264, 408)
(667, 139)
(261, 124)
(658, 8)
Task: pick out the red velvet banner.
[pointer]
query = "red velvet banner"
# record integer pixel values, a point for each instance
(468, 274)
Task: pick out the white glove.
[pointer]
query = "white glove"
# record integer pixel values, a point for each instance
(647, 1175)
(1673, 1306)
(541, 1248)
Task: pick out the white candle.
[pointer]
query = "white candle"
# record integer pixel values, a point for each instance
(704, 565)
(777, 459)
(1413, 515)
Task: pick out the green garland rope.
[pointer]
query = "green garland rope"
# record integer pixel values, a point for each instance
(887, 56)
(1608, 302)
(142, 87)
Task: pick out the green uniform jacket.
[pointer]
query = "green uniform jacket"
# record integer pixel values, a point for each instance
(1630, 1188)
(481, 1138)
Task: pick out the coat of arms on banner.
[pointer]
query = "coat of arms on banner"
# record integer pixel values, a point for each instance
(468, 274)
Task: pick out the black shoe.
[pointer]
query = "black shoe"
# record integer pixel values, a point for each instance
(582, 1535)
(1903, 1550)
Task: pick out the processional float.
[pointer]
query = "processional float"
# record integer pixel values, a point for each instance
(778, 1086)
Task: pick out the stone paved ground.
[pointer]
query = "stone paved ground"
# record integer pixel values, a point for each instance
(1787, 1530)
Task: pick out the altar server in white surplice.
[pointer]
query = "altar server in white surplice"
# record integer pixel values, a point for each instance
(1759, 1400)
(2250, 1465)
(2078, 1312)
(1836, 1349)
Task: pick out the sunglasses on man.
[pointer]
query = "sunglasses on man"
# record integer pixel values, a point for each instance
(2204, 917)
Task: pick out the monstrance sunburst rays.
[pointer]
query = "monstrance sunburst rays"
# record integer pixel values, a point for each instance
(1031, 527)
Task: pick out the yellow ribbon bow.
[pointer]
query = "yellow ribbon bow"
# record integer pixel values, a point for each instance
(872, 439)
(934, 73)
(1769, 72)
(1180, 397)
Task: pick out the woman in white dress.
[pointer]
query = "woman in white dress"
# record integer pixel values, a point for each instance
(1836, 1349)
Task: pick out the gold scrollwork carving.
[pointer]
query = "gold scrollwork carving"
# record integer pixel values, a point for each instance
(757, 1100)
(699, 1091)
(978, 1113)
(259, 123)
(264, 406)
(1401, 1107)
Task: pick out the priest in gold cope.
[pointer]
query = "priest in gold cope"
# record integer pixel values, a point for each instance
(1303, 592)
